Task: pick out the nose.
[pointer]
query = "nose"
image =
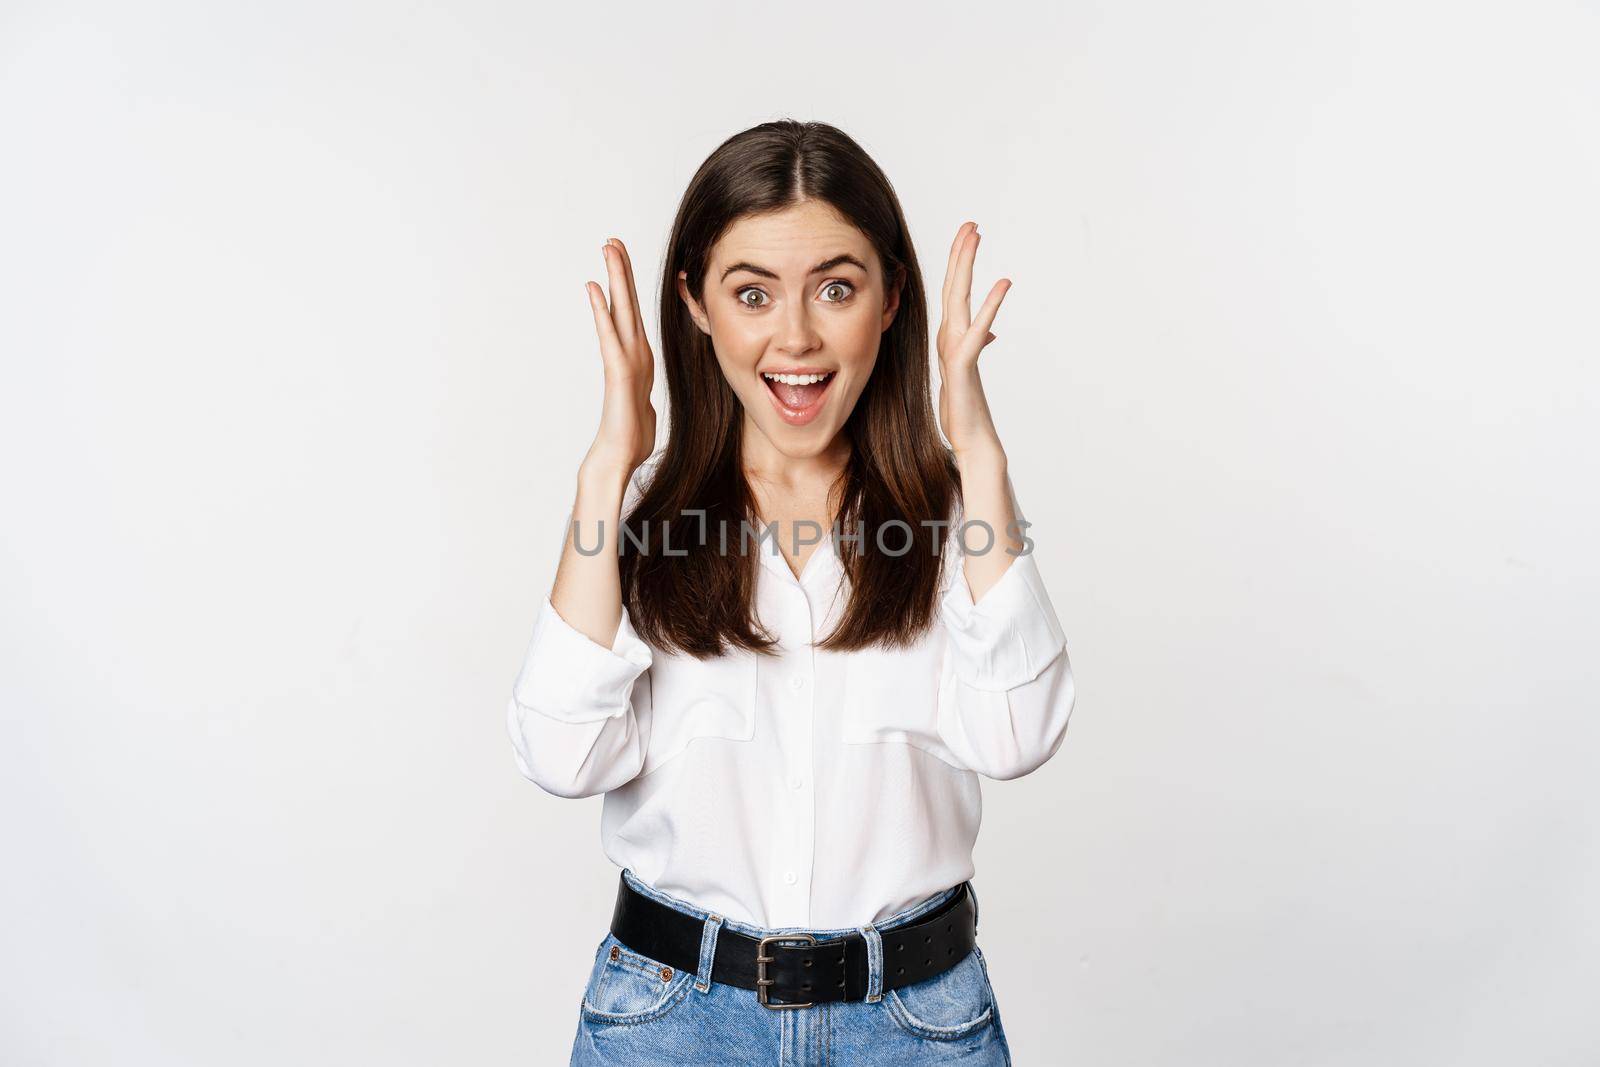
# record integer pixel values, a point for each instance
(796, 333)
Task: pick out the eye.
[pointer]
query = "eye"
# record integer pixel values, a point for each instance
(848, 289)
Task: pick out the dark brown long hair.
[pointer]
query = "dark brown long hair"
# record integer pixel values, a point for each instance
(701, 602)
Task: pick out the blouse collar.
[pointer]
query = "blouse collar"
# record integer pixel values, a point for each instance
(823, 558)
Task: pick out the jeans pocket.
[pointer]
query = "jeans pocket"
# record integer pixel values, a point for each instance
(947, 1006)
(628, 987)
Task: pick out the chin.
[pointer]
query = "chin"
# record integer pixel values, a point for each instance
(799, 442)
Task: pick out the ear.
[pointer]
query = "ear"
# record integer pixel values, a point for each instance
(696, 312)
(891, 302)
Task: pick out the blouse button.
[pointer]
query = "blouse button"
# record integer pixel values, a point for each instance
(789, 876)
(794, 781)
(796, 682)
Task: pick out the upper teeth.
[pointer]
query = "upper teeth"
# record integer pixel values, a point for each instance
(795, 379)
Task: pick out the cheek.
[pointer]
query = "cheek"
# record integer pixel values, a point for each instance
(738, 334)
(857, 334)
(857, 344)
(737, 345)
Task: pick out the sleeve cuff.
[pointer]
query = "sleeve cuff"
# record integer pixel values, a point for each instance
(1010, 635)
(569, 676)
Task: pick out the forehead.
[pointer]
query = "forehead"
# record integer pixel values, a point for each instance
(791, 241)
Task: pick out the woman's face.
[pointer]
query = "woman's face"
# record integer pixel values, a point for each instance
(800, 294)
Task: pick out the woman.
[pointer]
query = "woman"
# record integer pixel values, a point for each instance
(789, 745)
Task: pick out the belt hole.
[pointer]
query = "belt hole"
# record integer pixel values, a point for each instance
(949, 951)
(899, 970)
(807, 963)
(841, 983)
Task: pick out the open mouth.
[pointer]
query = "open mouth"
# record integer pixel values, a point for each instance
(798, 397)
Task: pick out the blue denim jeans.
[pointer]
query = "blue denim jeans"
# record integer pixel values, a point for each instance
(638, 1011)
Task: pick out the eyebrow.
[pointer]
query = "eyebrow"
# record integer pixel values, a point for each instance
(827, 264)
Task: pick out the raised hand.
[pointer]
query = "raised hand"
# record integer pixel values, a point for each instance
(963, 409)
(627, 433)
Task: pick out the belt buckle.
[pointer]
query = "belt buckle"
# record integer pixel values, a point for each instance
(762, 981)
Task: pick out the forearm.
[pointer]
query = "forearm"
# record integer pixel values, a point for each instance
(588, 589)
(988, 508)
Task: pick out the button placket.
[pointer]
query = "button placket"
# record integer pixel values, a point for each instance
(797, 874)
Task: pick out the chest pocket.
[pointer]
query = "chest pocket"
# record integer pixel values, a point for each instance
(892, 696)
(692, 699)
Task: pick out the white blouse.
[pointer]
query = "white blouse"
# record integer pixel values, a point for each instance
(812, 789)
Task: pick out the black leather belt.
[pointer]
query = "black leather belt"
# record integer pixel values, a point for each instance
(797, 970)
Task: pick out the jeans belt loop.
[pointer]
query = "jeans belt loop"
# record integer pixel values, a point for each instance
(874, 941)
(708, 952)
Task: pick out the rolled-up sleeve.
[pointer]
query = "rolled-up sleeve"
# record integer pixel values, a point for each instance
(1006, 689)
(572, 714)
(1010, 636)
(575, 709)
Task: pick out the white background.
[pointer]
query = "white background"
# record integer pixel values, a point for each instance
(1298, 379)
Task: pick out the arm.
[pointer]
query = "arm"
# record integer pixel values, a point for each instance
(1006, 688)
(574, 710)
(572, 714)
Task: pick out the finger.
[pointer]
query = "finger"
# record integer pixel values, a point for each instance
(633, 293)
(959, 312)
(610, 343)
(621, 299)
(950, 264)
(991, 307)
